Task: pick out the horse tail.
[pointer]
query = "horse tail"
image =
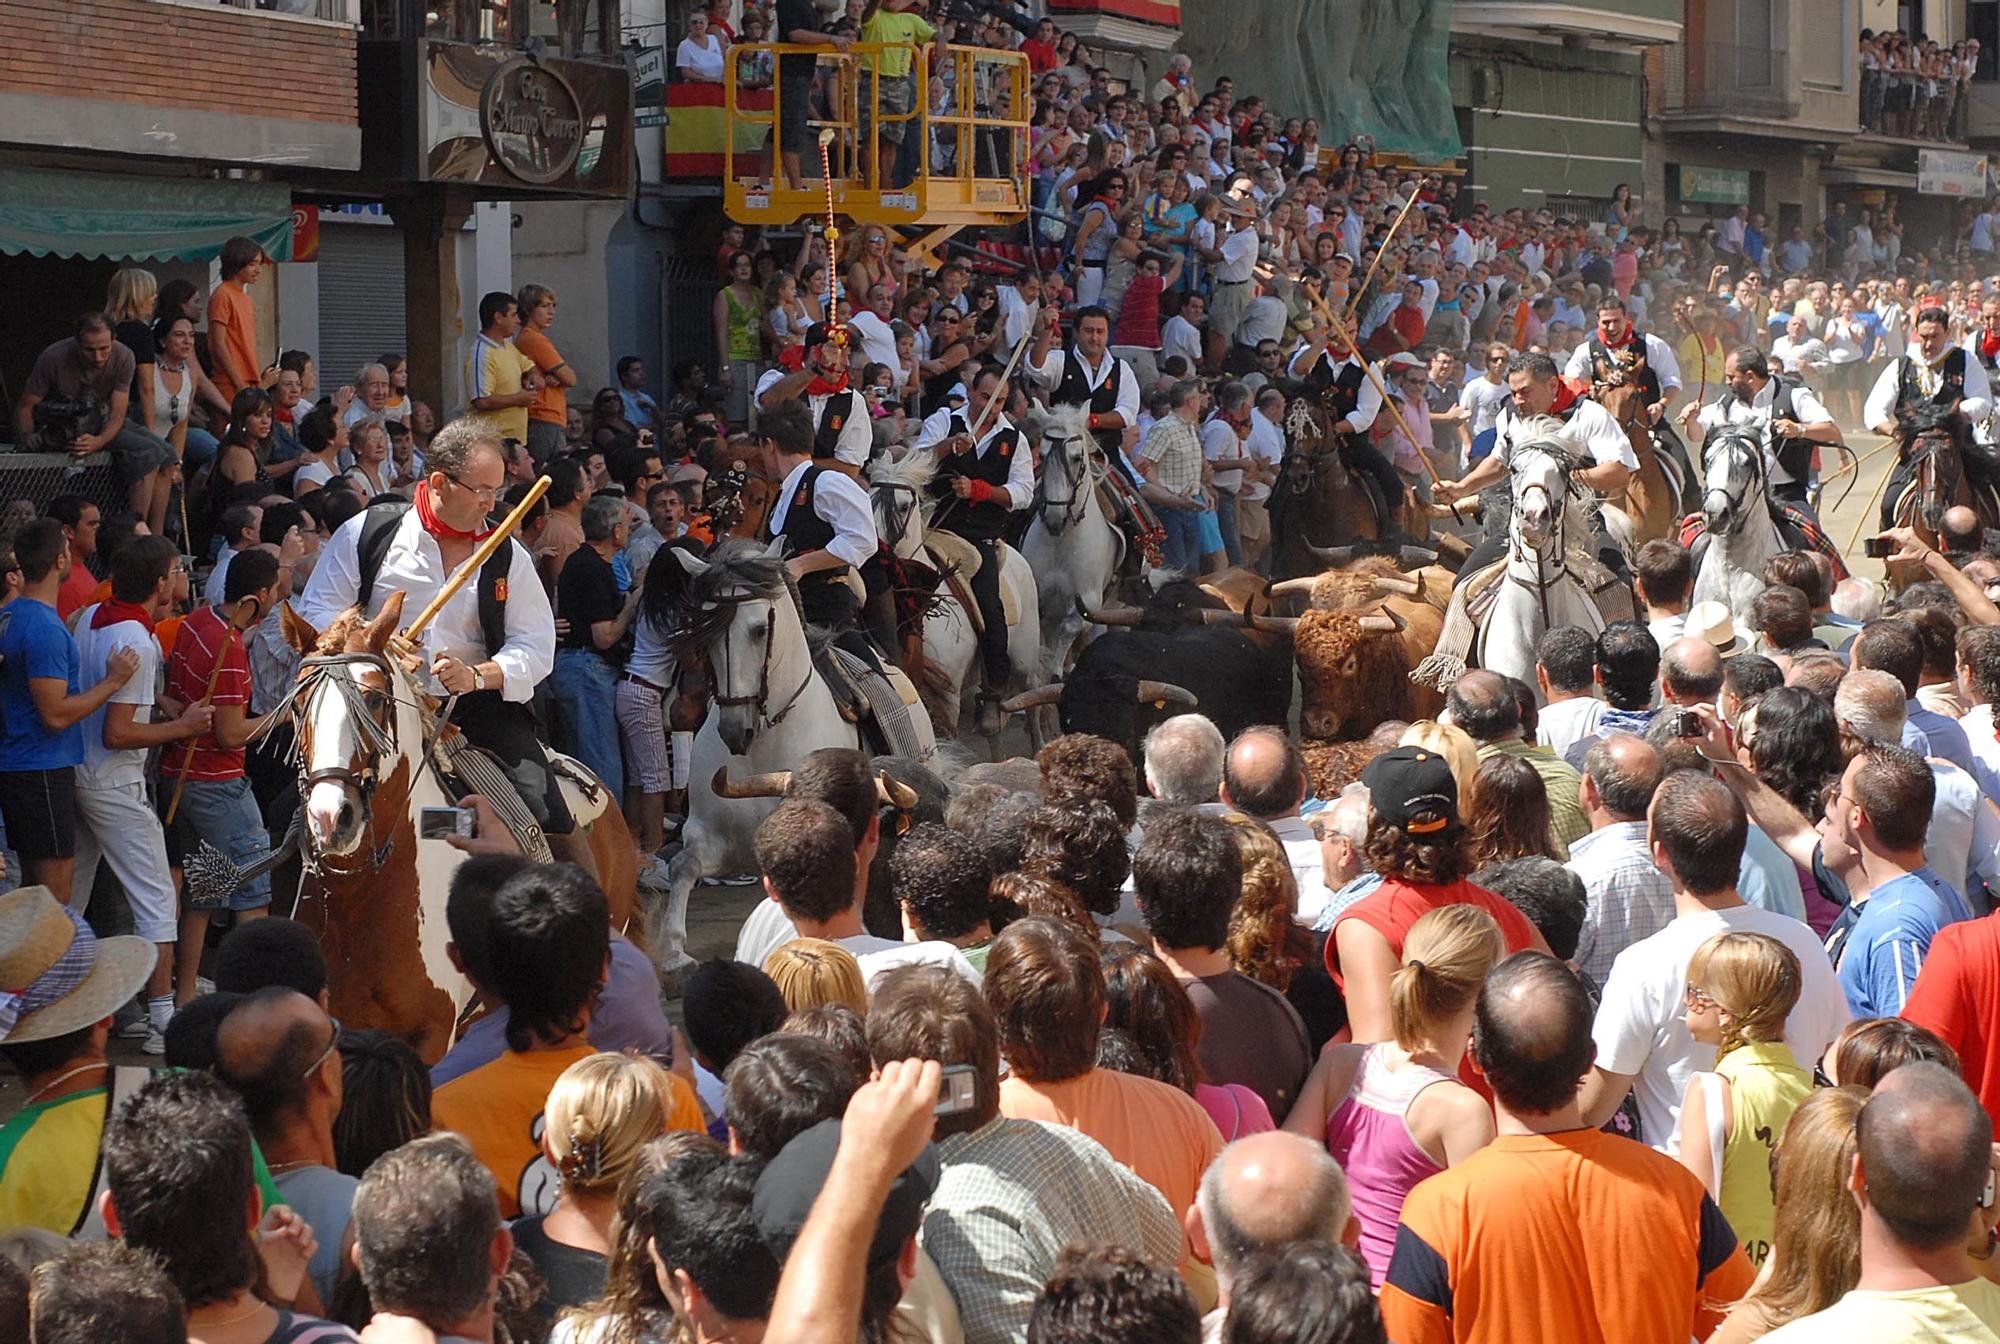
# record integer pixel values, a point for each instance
(934, 690)
(1618, 525)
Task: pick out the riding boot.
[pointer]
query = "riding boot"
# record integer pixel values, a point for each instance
(878, 618)
(989, 719)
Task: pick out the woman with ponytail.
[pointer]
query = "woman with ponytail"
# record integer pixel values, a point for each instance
(1395, 1112)
(1740, 989)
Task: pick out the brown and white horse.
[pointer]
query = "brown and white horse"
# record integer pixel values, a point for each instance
(372, 891)
(1649, 500)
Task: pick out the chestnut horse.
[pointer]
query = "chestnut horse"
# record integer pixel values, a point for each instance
(371, 890)
(1317, 500)
(1650, 499)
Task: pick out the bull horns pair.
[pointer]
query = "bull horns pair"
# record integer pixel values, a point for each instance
(888, 791)
(1385, 585)
(1148, 690)
(1408, 557)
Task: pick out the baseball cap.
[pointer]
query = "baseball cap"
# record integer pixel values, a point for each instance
(1413, 789)
(792, 1180)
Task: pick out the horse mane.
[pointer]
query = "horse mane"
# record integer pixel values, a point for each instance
(1744, 437)
(1913, 421)
(344, 629)
(1067, 422)
(1551, 438)
(914, 470)
(705, 609)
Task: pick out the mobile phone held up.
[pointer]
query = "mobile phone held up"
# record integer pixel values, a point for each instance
(437, 823)
(954, 1090)
(1878, 548)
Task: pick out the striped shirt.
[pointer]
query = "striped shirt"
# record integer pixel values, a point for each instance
(1628, 898)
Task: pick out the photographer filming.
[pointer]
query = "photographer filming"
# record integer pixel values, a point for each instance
(75, 403)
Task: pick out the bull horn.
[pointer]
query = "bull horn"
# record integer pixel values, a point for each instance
(1334, 555)
(1294, 587)
(1125, 616)
(1416, 557)
(772, 785)
(1166, 690)
(1210, 616)
(1035, 699)
(1403, 586)
(894, 792)
(1273, 625)
(1385, 622)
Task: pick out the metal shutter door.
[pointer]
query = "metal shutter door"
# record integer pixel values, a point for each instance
(361, 314)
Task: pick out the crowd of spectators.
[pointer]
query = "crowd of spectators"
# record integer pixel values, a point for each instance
(1916, 88)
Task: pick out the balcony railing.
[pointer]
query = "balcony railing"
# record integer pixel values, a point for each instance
(1721, 78)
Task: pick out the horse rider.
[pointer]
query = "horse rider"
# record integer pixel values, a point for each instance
(1537, 392)
(1087, 374)
(493, 642)
(830, 525)
(1935, 373)
(1618, 351)
(1783, 411)
(1335, 377)
(816, 373)
(1983, 343)
(979, 482)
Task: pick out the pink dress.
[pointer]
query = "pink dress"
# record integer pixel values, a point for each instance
(1369, 1135)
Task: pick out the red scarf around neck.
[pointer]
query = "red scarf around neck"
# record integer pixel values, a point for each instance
(1989, 344)
(1622, 341)
(1567, 395)
(111, 611)
(427, 515)
(793, 359)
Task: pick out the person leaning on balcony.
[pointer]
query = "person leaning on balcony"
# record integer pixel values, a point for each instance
(699, 56)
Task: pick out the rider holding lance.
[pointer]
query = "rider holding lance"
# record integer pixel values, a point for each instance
(815, 373)
(1538, 392)
(1619, 352)
(1334, 376)
(496, 638)
(1784, 411)
(827, 520)
(981, 483)
(1087, 374)
(1933, 373)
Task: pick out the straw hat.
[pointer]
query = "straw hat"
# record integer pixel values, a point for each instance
(1711, 621)
(56, 976)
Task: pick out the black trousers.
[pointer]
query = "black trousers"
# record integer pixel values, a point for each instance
(507, 731)
(985, 587)
(828, 603)
(1363, 456)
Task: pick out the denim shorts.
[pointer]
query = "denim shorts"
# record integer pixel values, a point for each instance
(224, 813)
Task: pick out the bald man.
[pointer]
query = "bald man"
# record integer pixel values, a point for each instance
(1923, 1167)
(1260, 1196)
(1690, 672)
(1628, 898)
(280, 1052)
(1476, 1239)
(1264, 775)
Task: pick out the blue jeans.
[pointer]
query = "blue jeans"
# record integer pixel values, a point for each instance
(1182, 548)
(1225, 518)
(586, 694)
(199, 450)
(224, 812)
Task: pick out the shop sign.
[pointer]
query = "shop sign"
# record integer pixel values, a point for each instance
(649, 86)
(531, 121)
(1715, 186)
(1943, 173)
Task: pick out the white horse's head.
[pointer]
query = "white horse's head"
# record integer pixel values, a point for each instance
(1539, 472)
(1732, 479)
(1066, 471)
(356, 712)
(902, 509)
(742, 614)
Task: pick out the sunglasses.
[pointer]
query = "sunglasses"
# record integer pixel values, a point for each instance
(332, 1049)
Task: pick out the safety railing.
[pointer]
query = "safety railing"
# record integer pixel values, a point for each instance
(890, 156)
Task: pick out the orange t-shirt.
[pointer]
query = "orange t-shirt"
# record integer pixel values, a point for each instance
(1580, 1236)
(498, 1109)
(1158, 1131)
(551, 403)
(232, 329)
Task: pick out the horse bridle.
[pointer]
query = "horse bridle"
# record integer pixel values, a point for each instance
(1559, 508)
(1075, 477)
(719, 670)
(902, 520)
(1925, 451)
(375, 724)
(1754, 454)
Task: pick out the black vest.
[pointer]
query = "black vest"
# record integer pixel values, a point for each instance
(1978, 340)
(1338, 392)
(1795, 454)
(982, 521)
(805, 529)
(1951, 386)
(1073, 389)
(833, 417)
(1602, 365)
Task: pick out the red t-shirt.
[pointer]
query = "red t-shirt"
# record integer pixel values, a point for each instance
(1394, 906)
(188, 666)
(1957, 995)
(76, 591)
(1139, 319)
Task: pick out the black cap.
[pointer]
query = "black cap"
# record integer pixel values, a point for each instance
(1413, 789)
(791, 1181)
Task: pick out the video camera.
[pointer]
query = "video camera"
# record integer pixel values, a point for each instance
(59, 421)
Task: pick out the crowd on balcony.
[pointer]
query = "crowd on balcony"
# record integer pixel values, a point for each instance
(1916, 89)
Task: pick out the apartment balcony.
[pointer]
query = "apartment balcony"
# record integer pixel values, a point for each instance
(1723, 88)
(1621, 24)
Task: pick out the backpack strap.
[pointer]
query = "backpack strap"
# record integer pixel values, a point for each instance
(378, 529)
(493, 596)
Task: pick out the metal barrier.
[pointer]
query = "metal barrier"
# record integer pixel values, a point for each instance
(985, 184)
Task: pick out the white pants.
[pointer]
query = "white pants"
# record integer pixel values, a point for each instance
(117, 824)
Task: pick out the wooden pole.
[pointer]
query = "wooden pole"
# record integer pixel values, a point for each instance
(494, 541)
(1383, 251)
(993, 403)
(1868, 509)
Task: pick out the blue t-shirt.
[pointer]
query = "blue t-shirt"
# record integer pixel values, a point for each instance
(1879, 945)
(35, 644)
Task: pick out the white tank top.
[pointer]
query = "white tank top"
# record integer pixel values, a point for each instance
(178, 405)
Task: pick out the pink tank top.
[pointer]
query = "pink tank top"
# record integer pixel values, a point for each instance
(1369, 1135)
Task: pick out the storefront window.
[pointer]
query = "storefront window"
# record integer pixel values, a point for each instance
(570, 27)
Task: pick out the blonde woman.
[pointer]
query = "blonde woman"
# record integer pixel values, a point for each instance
(1453, 743)
(1395, 1112)
(633, 1309)
(812, 971)
(1740, 989)
(601, 1114)
(128, 302)
(1818, 1259)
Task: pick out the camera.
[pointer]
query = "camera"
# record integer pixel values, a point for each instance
(1687, 723)
(436, 823)
(1878, 548)
(58, 422)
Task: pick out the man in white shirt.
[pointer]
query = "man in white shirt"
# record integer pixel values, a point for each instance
(1264, 775)
(1087, 374)
(1225, 445)
(1267, 445)
(1798, 352)
(1485, 395)
(871, 324)
(1697, 830)
(819, 380)
(1182, 334)
(1786, 414)
(1566, 674)
(1020, 303)
(1935, 374)
(1235, 273)
(1979, 683)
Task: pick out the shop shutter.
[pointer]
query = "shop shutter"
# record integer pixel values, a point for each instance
(361, 312)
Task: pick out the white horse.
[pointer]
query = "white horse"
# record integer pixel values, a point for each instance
(769, 708)
(903, 512)
(1072, 547)
(1740, 533)
(1550, 530)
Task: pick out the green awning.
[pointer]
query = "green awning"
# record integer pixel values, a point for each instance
(54, 212)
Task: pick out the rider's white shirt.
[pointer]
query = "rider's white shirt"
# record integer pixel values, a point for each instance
(1368, 397)
(1591, 428)
(844, 506)
(413, 566)
(1977, 402)
(1660, 358)
(1757, 411)
(1020, 471)
(1050, 373)
(857, 436)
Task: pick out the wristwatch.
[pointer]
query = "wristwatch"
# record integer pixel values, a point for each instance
(478, 677)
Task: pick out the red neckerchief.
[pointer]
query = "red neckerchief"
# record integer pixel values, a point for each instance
(793, 359)
(1989, 344)
(1622, 341)
(111, 611)
(1567, 395)
(438, 527)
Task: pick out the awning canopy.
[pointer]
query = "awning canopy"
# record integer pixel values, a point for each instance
(55, 212)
